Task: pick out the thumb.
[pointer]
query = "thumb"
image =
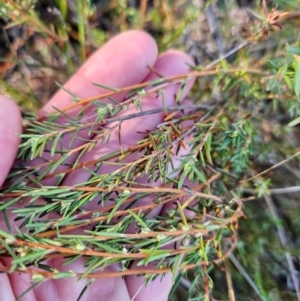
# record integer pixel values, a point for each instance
(10, 127)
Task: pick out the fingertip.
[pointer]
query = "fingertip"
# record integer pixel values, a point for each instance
(179, 56)
(172, 62)
(122, 61)
(135, 49)
(8, 106)
(10, 128)
(139, 38)
(125, 56)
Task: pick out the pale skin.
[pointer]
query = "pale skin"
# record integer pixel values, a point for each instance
(121, 62)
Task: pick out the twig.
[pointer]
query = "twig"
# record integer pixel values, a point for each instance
(227, 54)
(150, 112)
(271, 168)
(245, 275)
(229, 281)
(155, 271)
(170, 79)
(185, 283)
(143, 8)
(282, 190)
(284, 242)
(214, 30)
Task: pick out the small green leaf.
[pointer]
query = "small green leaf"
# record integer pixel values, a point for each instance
(294, 122)
(138, 220)
(200, 175)
(297, 77)
(272, 65)
(292, 50)
(152, 258)
(202, 249)
(31, 257)
(106, 87)
(55, 142)
(183, 84)
(156, 82)
(61, 275)
(182, 178)
(7, 235)
(281, 73)
(225, 143)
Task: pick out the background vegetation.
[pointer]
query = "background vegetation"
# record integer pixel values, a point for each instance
(257, 147)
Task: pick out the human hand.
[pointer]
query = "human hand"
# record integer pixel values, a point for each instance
(122, 62)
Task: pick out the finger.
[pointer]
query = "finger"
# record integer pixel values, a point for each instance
(122, 61)
(7, 293)
(179, 154)
(159, 288)
(133, 130)
(10, 128)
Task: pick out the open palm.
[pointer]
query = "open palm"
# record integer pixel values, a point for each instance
(122, 62)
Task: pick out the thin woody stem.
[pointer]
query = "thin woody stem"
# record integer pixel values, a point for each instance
(169, 79)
